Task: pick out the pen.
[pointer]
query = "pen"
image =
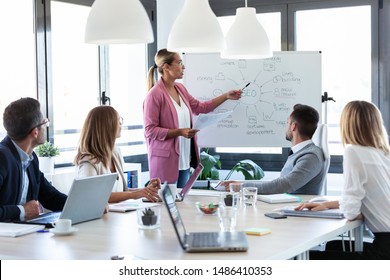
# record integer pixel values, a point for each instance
(246, 86)
(42, 230)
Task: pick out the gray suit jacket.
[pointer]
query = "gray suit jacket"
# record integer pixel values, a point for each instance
(302, 174)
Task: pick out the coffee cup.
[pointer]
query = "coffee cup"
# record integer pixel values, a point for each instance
(62, 225)
(173, 188)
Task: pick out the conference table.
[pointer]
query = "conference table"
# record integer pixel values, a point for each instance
(118, 234)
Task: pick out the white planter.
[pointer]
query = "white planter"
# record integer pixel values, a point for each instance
(46, 164)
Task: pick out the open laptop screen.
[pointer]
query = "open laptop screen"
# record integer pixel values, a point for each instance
(191, 180)
(169, 201)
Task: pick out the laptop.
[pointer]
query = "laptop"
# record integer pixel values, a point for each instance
(329, 213)
(202, 241)
(188, 186)
(87, 199)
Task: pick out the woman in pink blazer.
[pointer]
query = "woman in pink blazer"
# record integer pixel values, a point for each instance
(168, 108)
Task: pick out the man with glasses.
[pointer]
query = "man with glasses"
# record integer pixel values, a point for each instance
(23, 186)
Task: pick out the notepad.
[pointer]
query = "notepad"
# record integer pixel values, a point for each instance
(15, 230)
(278, 198)
(127, 206)
(329, 213)
(257, 231)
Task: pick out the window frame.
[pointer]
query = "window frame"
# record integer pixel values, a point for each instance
(275, 162)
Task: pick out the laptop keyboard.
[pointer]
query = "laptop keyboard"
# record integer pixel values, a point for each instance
(205, 239)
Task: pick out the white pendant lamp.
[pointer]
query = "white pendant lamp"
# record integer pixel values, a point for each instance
(246, 39)
(118, 22)
(196, 29)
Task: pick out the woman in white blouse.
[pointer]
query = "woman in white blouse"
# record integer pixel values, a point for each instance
(366, 193)
(96, 154)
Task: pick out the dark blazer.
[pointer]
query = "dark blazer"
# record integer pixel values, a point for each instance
(10, 184)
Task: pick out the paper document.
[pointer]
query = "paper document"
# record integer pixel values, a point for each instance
(14, 230)
(127, 205)
(278, 198)
(204, 120)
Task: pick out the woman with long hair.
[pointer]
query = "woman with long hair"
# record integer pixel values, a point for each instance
(366, 193)
(97, 154)
(168, 110)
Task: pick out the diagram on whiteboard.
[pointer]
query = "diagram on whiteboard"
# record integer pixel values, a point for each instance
(270, 89)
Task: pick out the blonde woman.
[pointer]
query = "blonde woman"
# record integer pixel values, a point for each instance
(168, 110)
(366, 193)
(96, 154)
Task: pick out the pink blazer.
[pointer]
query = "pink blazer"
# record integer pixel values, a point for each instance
(159, 116)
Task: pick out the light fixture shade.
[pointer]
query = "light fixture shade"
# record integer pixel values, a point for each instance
(246, 39)
(118, 22)
(196, 29)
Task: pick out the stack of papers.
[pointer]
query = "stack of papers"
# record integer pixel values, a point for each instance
(129, 205)
(278, 198)
(14, 230)
(330, 213)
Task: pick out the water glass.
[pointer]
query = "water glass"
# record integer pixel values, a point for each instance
(249, 195)
(227, 216)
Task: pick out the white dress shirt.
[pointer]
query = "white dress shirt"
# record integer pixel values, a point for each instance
(367, 187)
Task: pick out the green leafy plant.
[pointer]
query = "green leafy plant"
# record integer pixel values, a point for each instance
(210, 164)
(47, 149)
(248, 168)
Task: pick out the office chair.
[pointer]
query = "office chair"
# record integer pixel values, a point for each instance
(320, 139)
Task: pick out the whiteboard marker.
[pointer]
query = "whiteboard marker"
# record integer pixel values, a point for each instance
(246, 86)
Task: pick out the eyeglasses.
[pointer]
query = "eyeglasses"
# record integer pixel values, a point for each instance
(45, 122)
(120, 120)
(180, 62)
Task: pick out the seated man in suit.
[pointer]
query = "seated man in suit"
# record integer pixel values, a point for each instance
(22, 185)
(303, 170)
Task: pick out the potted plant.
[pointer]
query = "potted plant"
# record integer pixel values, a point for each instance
(248, 168)
(210, 164)
(228, 200)
(46, 153)
(149, 218)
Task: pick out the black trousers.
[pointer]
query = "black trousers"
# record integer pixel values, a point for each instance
(379, 249)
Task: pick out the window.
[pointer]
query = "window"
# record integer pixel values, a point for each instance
(75, 75)
(345, 43)
(127, 90)
(17, 53)
(76, 90)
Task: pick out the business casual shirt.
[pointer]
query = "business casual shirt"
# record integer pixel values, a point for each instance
(367, 186)
(301, 174)
(26, 160)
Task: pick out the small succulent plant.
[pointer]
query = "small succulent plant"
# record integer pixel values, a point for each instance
(148, 212)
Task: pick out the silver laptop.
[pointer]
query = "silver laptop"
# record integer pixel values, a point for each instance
(202, 241)
(87, 199)
(188, 186)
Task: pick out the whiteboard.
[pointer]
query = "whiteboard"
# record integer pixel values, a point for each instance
(259, 118)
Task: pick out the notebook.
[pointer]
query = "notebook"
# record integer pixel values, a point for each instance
(330, 213)
(188, 186)
(202, 241)
(87, 199)
(15, 230)
(278, 198)
(129, 205)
